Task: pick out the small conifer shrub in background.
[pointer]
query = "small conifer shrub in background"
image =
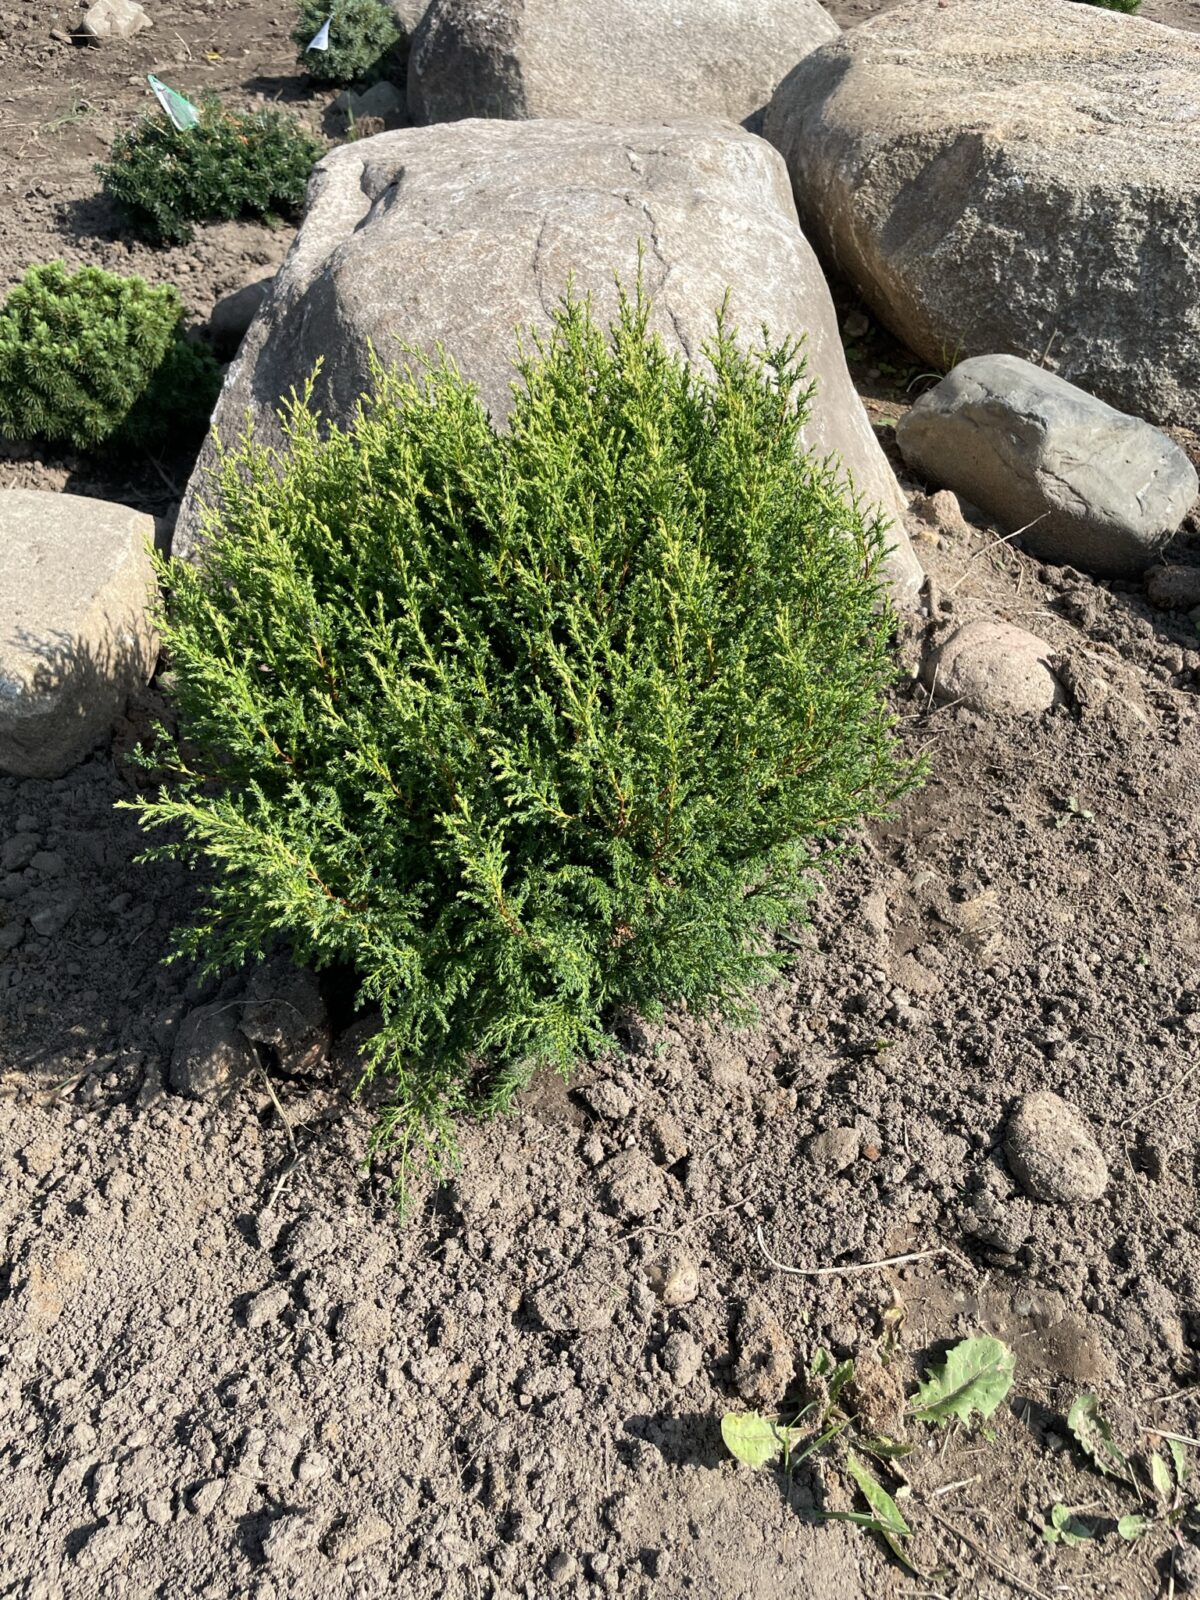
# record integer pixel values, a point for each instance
(232, 164)
(1127, 6)
(89, 356)
(527, 726)
(364, 39)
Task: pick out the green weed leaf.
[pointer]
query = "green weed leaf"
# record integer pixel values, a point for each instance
(1133, 1526)
(884, 1519)
(842, 1374)
(1179, 1461)
(1066, 1528)
(1160, 1477)
(1095, 1438)
(754, 1439)
(974, 1378)
(885, 1449)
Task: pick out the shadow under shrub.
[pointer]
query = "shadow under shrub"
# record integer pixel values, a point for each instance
(231, 164)
(528, 726)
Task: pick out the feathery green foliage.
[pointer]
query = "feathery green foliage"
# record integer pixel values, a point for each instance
(1127, 6)
(87, 356)
(528, 726)
(232, 164)
(363, 37)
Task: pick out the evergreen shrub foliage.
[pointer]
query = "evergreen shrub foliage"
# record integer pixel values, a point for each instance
(528, 726)
(89, 356)
(364, 37)
(232, 164)
(1127, 6)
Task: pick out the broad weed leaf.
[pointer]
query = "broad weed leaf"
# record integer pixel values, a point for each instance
(754, 1439)
(1095, 1438)
(974, 1378)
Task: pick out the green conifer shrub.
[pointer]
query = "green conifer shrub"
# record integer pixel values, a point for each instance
(232, 164)
(90, 356)
(364, 39)
(1126, 6)
(526, 727)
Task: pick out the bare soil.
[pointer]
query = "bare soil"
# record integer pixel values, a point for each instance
(228, 1368)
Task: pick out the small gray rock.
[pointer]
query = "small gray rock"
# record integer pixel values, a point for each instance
(991, 666)
(835, 1149)
(210, 1053)
(113, 19)
(681, 1358)
(1003, 1225)
(381, 100)
(607, 1099)
(1187, 1568)
(203, 1499)
(11, 934)
(1051, 1151)
(267, 1306)
(763, 1364)
(284, 1009)
(675, 1278)
(290, 1540)
(357, 1535)
(561, 1568)
(53, 911)
(632, 1185)
(19, 850)
(1090, 486)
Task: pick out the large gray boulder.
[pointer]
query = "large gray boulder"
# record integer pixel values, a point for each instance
(1013, 175)
(463, 233)
(1091, 487)
(608, 60)
(75, 629)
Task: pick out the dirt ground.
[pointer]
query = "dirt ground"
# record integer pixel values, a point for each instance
(227, 1368)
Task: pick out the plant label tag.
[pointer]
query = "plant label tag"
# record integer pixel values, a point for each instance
(179, 109)
(320, 39)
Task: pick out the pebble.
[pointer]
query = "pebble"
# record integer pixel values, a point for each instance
(1004, 1225)
(204, 1498)
(19, 850)
(1051, 1152)
(607, 1099)
(835, 1149)
(632, 1185)
(51, 915)
(682, 1358)
(561, 1567)
(267, 1306)
(763, 1365)
(360, 1533)
(674, 1278)
(210, 1052)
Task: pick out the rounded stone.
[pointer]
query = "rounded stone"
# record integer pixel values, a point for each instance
(992, 666)
(1051, 1152)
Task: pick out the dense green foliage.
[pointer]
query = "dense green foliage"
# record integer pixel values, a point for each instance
(363, 37)
(1127, 6)
(527, 726)
(89, 356)
(232, 164)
